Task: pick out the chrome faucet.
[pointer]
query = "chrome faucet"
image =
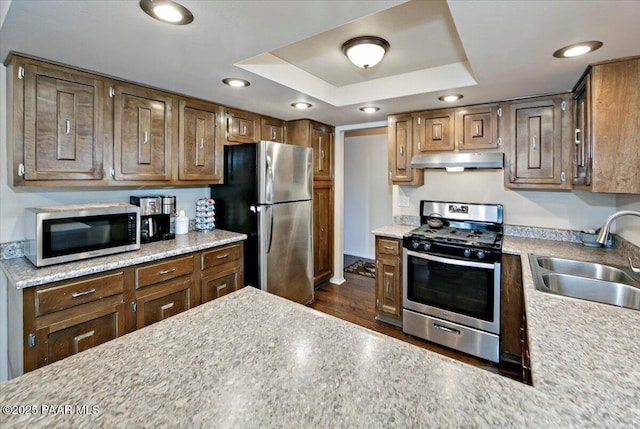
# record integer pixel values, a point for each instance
(604, 231)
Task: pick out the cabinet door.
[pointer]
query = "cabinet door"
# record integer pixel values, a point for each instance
(69, 332)
(400, 148)
(435, 131)
(215, 287)
(163, 301)
(582, 135)
(242, 127)
(388, 292)
(322, 232)
(477, 128)
(272, 130)
(200, 146)
(511, 306)
(322, 144)
(142, 134)
(536, 155)
(62, 125)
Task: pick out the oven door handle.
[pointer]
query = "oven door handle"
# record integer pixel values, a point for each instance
(450, 261)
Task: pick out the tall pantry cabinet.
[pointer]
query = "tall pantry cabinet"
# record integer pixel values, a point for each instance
(320, 137)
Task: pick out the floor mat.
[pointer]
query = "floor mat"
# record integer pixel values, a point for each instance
(362, 268)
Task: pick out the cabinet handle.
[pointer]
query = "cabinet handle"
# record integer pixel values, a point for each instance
(577, 135)
(67, 127)
(477, 130)
(273, 134)
(388, 288)
(533, 143)
(401, 150)
(146, 137)
(435, 137)
(244, 130)
(163, 272)
(201, 142)
(388, 247)
(226, 255)
(322, 154)
(79, 294)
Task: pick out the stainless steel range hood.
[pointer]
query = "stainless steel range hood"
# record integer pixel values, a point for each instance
(458, 161)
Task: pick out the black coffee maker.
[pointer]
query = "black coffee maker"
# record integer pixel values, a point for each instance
(155, 217)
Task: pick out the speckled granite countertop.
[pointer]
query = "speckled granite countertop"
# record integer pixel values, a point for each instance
(21, 273)
(393, 231)
(252, 359)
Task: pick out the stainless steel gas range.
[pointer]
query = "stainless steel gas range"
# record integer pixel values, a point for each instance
(451, 283)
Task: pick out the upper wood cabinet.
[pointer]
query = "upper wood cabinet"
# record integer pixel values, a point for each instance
(538, 143)
(55, 123)
(318, 136)
(200, 141)
(607, 126)
(400, 151)
(142, 133)
(477, 127)
(272, 129)
(242, 127)
(435, 131)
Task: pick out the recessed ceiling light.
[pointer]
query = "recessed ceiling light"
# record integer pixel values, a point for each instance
(577, 49)
(236, 83)
(301, 105)
(370, 109)
(167, 11)
(365, 51)
(450, 98)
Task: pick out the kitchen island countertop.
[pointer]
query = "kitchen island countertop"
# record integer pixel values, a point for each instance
(21, 273)
(251, 359)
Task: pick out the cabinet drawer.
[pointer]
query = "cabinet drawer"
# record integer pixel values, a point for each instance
(163, 271)
(388, 246)
(219, 256)
(163, 302)
(216, 287)
(68, 295)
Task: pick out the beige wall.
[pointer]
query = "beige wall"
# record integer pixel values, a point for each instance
(628, 226)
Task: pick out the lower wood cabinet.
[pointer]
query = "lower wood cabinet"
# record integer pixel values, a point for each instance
(322, 231)
(389, 280)
(61, 319)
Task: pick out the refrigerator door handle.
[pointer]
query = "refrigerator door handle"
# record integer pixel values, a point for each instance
(269, 239)
(269, 180)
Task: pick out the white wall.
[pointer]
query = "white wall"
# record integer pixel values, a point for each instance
(562, 210)
(367, 194)
(628, 226)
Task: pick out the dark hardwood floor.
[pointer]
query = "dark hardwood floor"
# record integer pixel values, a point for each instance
(354, 301)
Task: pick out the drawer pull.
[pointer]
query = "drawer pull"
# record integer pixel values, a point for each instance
(79, 294)
(163, 272)
(226, 255)
(389, 247)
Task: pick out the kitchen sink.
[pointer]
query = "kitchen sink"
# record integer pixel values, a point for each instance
(586, 280)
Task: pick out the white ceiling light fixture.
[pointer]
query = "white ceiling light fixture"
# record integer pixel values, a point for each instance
(167, 11)
(301, 105)
(450, 98)
(578, 49)
(235, 82)
(365, 51)
(369, 109)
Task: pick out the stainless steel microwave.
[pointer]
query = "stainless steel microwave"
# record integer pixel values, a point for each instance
(72, 233)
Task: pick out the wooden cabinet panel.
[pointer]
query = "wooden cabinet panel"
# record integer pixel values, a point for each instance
(65, 337)
(400, 151)
(435, 131)
(214, 288)
(166, 270)
(220, 256)
(322, 232)
(70, 294)
(477, 128)
(242, 127)
(612, 126)
(272, 129)
(142, 134)
(389, 280)
(582, 135)
(62, 125)
(538, 144)
(163, 301)
(511, 306)
(200, 144)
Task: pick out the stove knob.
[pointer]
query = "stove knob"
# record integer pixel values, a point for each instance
(426, 246)
(467, 253)
(480, 254)
(415, 245)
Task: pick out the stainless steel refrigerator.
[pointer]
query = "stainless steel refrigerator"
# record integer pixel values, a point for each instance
(267, 195)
